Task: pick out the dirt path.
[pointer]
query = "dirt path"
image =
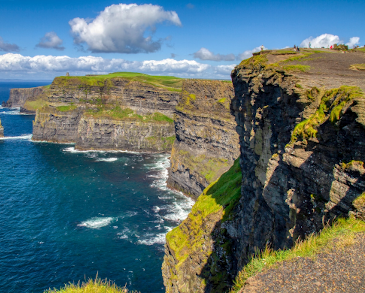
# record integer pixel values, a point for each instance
(339, 271)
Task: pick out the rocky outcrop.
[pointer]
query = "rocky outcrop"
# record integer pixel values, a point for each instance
(18, 97)
(206, 141)
(101, 133)
(302, 153)
(108, 113)
(141, 97)
(56, 126)
(1, 130)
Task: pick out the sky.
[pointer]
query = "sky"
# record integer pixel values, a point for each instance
(40, 40)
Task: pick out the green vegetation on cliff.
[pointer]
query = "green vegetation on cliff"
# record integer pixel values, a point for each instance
(91, 286)
(170, 83)
(119, 113)
(339, 235)
(219, 198)
(330, 107)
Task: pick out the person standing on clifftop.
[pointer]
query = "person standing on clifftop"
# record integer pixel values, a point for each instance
(310, 45)
(262, 47)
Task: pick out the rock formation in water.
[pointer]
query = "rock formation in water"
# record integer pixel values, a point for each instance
(123, 112)
(18, 97)
(1, 130)
(206, 142)
(302, 143)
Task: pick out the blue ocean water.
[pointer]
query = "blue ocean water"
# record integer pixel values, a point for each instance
(67, 215)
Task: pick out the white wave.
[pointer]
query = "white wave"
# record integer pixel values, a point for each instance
(16, 112)
(97, 222)
(73, 150)
(23, 137)
(179, 210)
(107, 159)
(156, 239)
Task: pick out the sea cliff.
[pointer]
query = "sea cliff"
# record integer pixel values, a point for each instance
(206, 142)
(18, 97)
(1, 130)
(121, 111)
(301, 130)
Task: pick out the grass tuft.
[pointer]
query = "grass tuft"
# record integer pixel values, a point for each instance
(337, 236)
(91, 286)
(358, 66)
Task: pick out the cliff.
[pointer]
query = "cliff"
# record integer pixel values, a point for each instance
(1, 130)
(206, 142)
(126, 111)
(301, 133)
(18, 97)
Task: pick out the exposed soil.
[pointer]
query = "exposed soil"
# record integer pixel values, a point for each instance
(342, 270)
(331, 69)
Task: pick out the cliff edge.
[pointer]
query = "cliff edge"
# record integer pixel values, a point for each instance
(300, 121)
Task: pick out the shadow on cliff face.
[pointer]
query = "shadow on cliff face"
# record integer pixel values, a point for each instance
(288, 192)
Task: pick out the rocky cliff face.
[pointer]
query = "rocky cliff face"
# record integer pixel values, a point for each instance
(1, 130)
(206, 141)
(109, 113)
(302, 153)
(141, 97)
(124, 135)
(56, 126)
(18, 97)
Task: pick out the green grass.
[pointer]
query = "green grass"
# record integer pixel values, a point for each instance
(221, 195)
(302, 68)
(170, 83)
(359, 203)
(66, 108)
(339, 235)
(119, 113)
(34, 105)
(331, 105)
(358, 66)
(91, 286)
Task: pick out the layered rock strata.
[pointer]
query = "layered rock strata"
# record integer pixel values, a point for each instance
(106, 113)
(101, 133)
(206, 141)
(18, 97)
(302, 153)
(1, 130)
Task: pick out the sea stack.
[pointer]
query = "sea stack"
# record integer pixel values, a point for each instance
(1, 130)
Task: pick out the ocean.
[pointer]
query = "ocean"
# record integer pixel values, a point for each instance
(67, 216)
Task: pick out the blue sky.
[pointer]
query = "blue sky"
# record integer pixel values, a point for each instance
(202, 39)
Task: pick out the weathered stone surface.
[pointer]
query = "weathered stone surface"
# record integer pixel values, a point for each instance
(18, 97)
(206, 141)
(124, 135)
(1, 130)
(290, 187)
(55, 126)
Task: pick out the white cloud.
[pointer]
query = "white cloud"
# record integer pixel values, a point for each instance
(122, 28)
(205, 54)
(248, 53)
(51, 41)
(6, 47)
(325, 40)
(353, 41)
(42, 66)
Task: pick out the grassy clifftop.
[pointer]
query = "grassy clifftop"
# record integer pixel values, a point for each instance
(170, 83)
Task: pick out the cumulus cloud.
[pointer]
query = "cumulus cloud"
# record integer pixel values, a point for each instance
(248, 53)
(205, 54)
(51, 41)
(122, 28)
(324, 40)
(50, 66)
(6, 47)
(353, 42)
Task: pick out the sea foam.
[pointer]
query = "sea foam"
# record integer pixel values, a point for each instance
(97, 222)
